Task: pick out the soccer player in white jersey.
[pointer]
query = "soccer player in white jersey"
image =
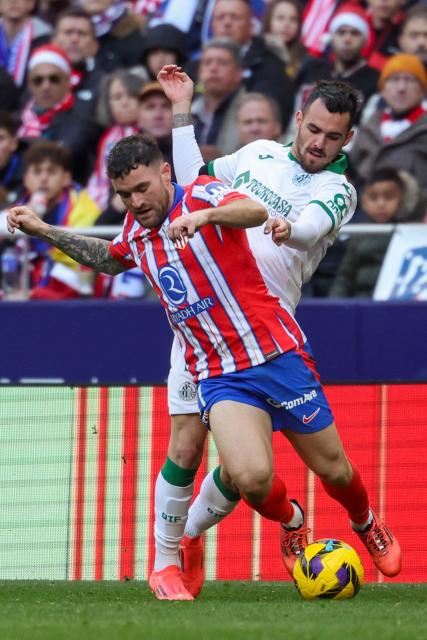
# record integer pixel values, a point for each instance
(304, 186)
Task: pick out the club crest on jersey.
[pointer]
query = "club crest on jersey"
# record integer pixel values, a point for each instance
(187, 391)
(173, 286)
(301, 179)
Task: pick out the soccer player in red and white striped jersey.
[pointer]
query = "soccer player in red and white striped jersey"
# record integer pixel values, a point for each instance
(225, 322)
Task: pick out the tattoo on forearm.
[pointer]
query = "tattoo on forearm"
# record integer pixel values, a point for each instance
(182, 120)
(92, 252)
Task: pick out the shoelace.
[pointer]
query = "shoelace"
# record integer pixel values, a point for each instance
(377, 539)
(294, 541)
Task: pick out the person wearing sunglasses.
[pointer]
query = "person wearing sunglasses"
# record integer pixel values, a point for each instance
(53, 113)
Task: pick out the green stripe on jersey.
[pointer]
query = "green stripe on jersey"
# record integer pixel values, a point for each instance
(211, 170)
(325, 208)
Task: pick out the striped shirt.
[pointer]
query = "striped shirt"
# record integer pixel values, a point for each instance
(215, 298)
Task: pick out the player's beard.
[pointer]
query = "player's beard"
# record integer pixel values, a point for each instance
(157, 213)
(310, 163)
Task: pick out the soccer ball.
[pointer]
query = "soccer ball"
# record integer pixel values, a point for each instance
(328, 569)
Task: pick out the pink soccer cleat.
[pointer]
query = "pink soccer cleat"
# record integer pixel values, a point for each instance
(167, 584)
(293, 542)
(191, 553)
(383, 548)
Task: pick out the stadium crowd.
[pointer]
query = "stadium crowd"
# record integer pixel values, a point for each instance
(76, 76)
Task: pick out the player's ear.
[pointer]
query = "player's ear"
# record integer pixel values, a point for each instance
(166, 171)
(298, 118)
(348, 137)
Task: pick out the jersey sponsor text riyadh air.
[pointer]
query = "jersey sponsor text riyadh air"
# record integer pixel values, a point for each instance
(215, 298)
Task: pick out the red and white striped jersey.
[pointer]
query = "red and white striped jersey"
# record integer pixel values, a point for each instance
(215, 298)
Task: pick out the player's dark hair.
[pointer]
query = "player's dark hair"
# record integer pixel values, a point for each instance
(385, 174)
(130, 153)
(338, 97)
(8, 123)
(47, 150)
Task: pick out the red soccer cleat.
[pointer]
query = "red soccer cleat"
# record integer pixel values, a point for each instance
(191, 553)
(167, 584)
(293, 542)
(383, 548)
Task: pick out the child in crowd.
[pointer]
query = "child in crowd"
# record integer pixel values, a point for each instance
(50, 192)
(388, 196)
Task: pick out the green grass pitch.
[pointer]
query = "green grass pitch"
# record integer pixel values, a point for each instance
(36, 610)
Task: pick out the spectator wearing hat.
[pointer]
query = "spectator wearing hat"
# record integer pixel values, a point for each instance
(413, 32)
(155, 118)
(396, 133)
(52, 112)
(350, 37)
(75, 34)
(20, 33)
(163, 44)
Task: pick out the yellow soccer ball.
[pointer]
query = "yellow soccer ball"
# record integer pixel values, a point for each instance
(328, 569)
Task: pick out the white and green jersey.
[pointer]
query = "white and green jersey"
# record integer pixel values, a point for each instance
(267, 171)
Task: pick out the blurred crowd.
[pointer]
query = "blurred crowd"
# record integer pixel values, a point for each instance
(78, 75)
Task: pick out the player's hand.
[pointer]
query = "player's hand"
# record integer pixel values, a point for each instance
(176, 84)
(24, 219)
(184, 227)
(279, 228)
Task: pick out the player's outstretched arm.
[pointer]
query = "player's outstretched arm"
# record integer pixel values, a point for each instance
(91, 252)
(178, 87)
(242, 213)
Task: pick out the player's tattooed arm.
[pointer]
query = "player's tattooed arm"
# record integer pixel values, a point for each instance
(91, 252)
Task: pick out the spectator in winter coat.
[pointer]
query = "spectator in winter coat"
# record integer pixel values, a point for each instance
(396, 133)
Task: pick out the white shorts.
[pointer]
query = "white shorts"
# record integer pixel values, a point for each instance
(182, 390)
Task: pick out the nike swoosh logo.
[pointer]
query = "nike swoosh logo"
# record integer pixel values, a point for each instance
(307, 419)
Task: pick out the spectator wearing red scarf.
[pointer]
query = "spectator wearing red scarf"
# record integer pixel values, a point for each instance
(395, 135)
(51, 112)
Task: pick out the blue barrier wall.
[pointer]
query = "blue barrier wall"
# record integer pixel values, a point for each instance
(128, 342)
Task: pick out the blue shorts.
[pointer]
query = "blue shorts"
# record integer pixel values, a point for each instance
(287, 388)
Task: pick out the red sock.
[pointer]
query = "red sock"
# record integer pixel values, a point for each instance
(276, 506)
(353, 497)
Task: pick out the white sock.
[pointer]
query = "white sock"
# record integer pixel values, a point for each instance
(209, 508)
(364, 525)
(297, 519)
(171, 511)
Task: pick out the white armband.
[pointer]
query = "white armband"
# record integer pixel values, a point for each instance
(187, 159)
